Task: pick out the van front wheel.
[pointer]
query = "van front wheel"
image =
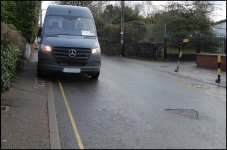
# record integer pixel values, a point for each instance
(39, 72)
(95, 76)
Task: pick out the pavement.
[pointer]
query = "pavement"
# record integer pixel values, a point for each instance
(188, 70)
(25, 123)
(191, 71)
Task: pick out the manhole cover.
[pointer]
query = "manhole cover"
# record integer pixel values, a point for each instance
(189, 113)
(200, 86)
(4, 108)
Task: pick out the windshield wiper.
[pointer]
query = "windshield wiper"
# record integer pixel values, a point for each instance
(89, 35)
(65, 34)
(58, 34)
(53, 35)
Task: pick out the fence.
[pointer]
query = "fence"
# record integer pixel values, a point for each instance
(110, 46)
(197, 43)
(187, 44)
(211, 44)
(136, 42)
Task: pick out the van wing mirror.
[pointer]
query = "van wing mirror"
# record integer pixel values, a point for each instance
(39, 32)
(98, 33)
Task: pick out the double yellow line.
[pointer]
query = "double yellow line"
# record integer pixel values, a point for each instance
(81, 146)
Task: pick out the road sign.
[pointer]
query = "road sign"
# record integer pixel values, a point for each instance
(185, 40)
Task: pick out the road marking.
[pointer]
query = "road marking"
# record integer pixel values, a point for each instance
(81, 146)
(215, 93)
(185, 83)
(182, 81)
(190, 86)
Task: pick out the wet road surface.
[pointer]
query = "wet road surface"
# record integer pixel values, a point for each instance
(135, 106)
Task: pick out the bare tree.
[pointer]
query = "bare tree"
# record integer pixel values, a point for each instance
(148, 9)
(97, 7)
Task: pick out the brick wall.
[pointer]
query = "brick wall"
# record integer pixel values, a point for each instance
(210, 61)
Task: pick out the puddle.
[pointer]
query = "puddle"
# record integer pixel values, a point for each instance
(188, 113)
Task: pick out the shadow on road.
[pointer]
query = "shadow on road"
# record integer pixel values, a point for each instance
(69, 78)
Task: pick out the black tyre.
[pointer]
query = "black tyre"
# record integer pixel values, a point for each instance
(95, 76)
(39, 72)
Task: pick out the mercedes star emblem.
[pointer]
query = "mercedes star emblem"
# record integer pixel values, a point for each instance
(72, 53)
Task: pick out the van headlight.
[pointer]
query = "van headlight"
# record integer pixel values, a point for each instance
(46, 48)
(96, 51)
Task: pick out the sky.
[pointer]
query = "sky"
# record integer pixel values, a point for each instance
(219, 14)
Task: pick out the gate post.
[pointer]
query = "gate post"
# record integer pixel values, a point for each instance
(198, 43)
(224, 45)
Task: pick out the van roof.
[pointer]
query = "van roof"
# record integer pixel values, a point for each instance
(69, 10)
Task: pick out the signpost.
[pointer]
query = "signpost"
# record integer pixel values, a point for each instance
(180, 43)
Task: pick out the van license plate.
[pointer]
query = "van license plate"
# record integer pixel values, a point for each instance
(71, 70)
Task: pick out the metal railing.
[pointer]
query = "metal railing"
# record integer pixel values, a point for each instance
(211, 44)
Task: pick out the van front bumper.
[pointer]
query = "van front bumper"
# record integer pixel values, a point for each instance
(55, 68)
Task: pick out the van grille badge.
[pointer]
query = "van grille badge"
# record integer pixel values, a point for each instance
(72, 53)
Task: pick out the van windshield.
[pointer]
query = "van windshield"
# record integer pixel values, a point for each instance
(69, 25)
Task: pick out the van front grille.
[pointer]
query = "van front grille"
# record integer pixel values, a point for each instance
(61, 55)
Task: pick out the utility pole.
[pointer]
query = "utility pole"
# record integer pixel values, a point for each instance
(165, 29)
(122, 28)
(165, 44)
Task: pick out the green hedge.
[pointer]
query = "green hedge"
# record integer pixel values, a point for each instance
(24, 15)
(10, 56)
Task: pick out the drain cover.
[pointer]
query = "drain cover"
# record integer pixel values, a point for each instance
(4, 108)
(200, 86)
(189, 113)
